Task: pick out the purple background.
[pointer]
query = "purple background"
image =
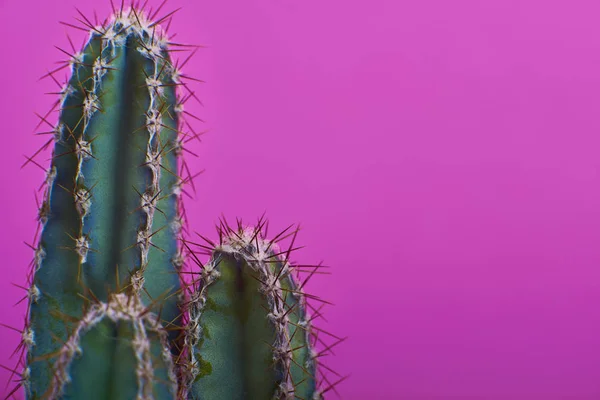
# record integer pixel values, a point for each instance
(441, 156)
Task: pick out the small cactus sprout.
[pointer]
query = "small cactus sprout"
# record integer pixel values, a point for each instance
(134, 337)
(110, 222)
(249, 334)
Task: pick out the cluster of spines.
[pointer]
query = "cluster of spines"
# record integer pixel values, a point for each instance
(137, 20)
(291, 309)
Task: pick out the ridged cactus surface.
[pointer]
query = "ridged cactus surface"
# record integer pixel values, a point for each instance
(138, 365)
(249, 330)
(110, 220)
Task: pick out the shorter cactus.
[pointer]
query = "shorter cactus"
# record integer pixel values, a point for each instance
(249, 333)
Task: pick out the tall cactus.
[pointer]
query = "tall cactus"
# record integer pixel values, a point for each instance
(109, 219)
(112, 312)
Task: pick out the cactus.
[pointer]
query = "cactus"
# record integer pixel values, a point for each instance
(249, 330)
(138, 364)
(109, 218)
(111, 315)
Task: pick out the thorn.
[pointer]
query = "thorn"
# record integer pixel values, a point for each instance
(73, 26)
(155, 13)
(186, 45)
(332, 386)
(163, 18)
(188, 58)
(44, 147)
(54, 70)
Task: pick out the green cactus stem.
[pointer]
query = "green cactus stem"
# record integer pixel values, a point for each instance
(249, 334)
(110, 220)
(140, 366)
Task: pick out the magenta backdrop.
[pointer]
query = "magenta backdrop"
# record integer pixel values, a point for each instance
(441, 155)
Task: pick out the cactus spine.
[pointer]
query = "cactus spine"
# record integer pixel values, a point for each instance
(110, 314)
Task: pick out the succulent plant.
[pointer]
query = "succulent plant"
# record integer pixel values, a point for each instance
(113, 311)
(249, 332)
